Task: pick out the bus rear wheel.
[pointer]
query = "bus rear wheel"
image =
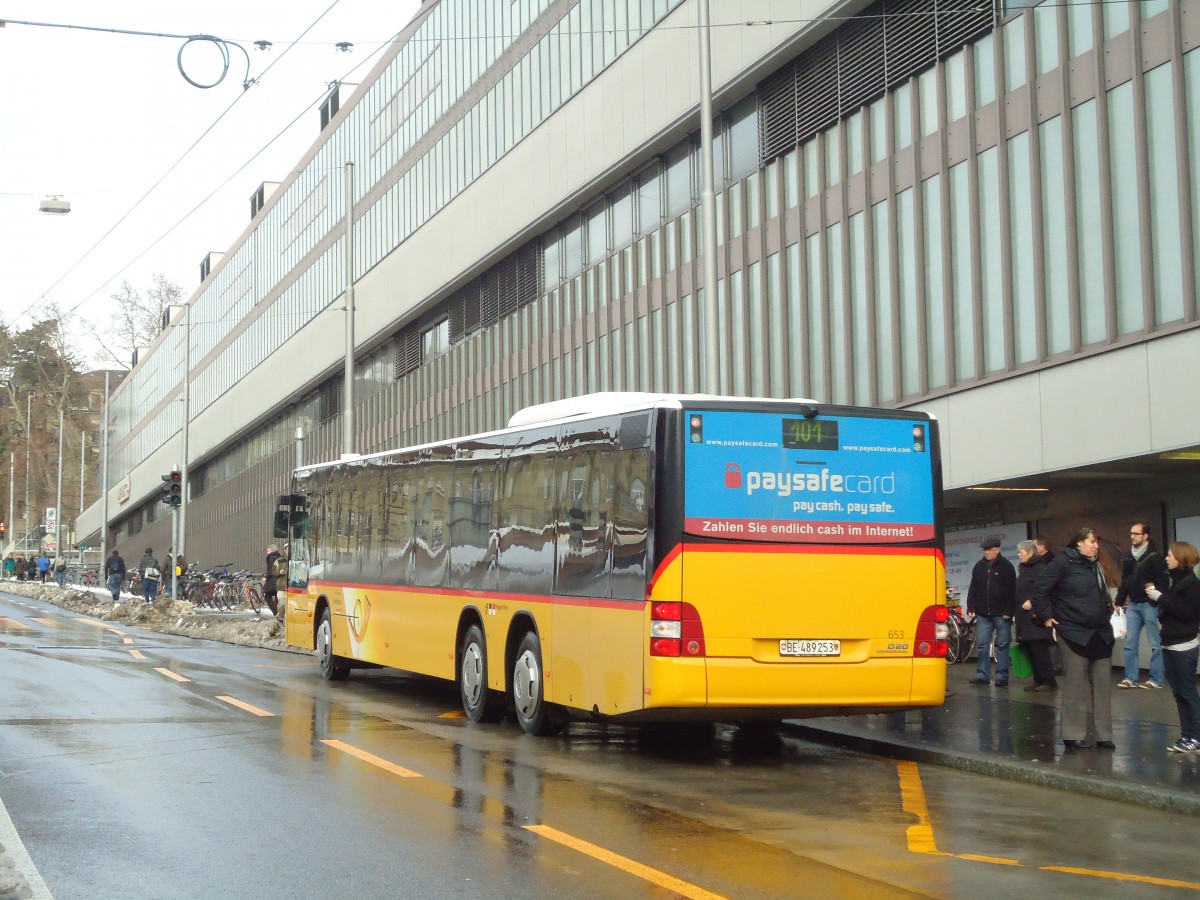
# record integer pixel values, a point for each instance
(528, 690)
(333, 668)
(478, 702)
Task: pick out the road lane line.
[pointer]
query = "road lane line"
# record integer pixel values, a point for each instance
(14, 847)
(172, 675)
(99, 624)
(136, 654)
(654, 876)
(372, 759)
(1121, 876)
(246, 706)
(49, 622)
(14, 624)
(128, 641)
(920, 836)
(994, 860)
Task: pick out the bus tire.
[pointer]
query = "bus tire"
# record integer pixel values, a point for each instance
(333, 668)
(478, 702)
(528, 690)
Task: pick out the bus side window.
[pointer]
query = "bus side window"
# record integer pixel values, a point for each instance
(471, 523)
(585, 486)
(432, 522)
(397, 526)
(631, 524)
(525, 527)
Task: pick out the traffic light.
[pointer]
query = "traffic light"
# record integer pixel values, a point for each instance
(3, 529)
(172, 489)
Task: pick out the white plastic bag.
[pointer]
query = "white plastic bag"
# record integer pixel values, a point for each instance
(1120, 629)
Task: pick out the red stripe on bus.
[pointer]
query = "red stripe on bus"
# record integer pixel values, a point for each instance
(486, 596)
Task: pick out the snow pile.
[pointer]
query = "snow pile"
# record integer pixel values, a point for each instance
(164, 615)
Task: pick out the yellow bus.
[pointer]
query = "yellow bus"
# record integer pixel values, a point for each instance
(636, 557)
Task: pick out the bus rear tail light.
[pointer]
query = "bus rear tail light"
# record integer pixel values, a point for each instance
(933, 631)
(676, 630)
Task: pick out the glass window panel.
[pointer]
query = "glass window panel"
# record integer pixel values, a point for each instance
(597, 233)
(1024, 288)
(688, 342)
(679, 180)
(754, 343)
(1116, 19)
(840, 387)
(902, 115)
(985, 71)
(1045, 34)
(1126, 233)
(1079, 27)
(1191, 69)
(816, 321)
(956, 86)
(885, 387)
(990, 262)
(1054, 238)
(573, 249)
(742, 137)
(935, 295)
(927, 91)
(961, 228)
(621, 216)
(775, 334)
(796, 314)
(734, 288)
(854, 144)
(734, 195)
(906, 266)
(550, 259)
(649, 200)
(878, 113)
(1014, 54)
(772, 192)
(1090, 247)
(1164, 196)
(860, 318)
(812, 172)
(1151, 8)
(833, 157)
(791, 179)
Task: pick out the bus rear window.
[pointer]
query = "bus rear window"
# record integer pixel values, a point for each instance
(782, 478)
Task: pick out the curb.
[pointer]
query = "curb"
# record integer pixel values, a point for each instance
(1029, 773)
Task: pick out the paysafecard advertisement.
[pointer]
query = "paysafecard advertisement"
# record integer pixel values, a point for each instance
(785, 478)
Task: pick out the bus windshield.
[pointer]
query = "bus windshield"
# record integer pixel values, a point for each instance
(784, 478)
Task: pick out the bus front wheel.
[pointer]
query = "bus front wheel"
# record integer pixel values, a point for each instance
(333, 668)
(528, 693)
(479, 703)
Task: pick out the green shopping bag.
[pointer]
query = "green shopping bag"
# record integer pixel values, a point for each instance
(1022, 665)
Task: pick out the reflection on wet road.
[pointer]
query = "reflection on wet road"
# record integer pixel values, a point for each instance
(184, 768)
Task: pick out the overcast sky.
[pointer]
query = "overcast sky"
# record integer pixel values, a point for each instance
(98, 118)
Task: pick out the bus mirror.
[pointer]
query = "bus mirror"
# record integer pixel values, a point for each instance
(281, 524)
(300, 524)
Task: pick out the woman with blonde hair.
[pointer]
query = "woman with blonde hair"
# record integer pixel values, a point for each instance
(1179, 621)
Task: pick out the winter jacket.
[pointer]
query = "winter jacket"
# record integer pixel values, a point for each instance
(1179, 608)
(993, 590)
(147, 562)
(114, 565)
(1071, 591)
(1027, 573)
(271, 579)
(1136, 573)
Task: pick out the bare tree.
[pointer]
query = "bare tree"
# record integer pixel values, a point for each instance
(137, 320)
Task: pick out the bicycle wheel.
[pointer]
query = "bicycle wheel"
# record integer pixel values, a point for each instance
(254, 597)
(953, 641)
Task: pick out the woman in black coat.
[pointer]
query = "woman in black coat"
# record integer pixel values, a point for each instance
(1034, 637)
(1179, 619)
(1072, 596)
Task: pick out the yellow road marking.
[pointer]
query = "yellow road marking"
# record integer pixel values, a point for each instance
(50, 622)
(1121, 876)
(920, 836)
(136, 654)
(372, 759)
(654, 876)
(128, 640)
(994, 860)
(167, 672)
(13, 623)
(98, 624)
(246, 706)
(453, 714)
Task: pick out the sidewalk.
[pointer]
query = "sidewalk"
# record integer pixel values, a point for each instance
(1010, 733)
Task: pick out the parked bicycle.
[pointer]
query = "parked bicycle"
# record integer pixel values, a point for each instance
(962, 629)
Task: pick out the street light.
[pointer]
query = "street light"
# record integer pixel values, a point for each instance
(55, 206)
(58, 497)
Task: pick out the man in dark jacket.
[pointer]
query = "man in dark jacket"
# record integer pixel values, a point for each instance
(114, 570)
(270, 583)
(992, 597)
(1143, 565)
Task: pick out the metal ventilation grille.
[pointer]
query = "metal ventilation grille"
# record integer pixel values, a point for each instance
(407, 343)
(883, 46)
(515, 281)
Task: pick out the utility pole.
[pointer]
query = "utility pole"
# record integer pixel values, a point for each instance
(104, 479)
(708, 203)
(348, 386)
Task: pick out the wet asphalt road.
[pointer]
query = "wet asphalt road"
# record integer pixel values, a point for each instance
(252, 777)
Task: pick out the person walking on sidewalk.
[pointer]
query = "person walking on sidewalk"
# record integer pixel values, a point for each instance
(1072, 596)
(114, 571)
(992, 598)
(148, 572)
(1033, 636)
(1179, 615)
(1143, 565)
